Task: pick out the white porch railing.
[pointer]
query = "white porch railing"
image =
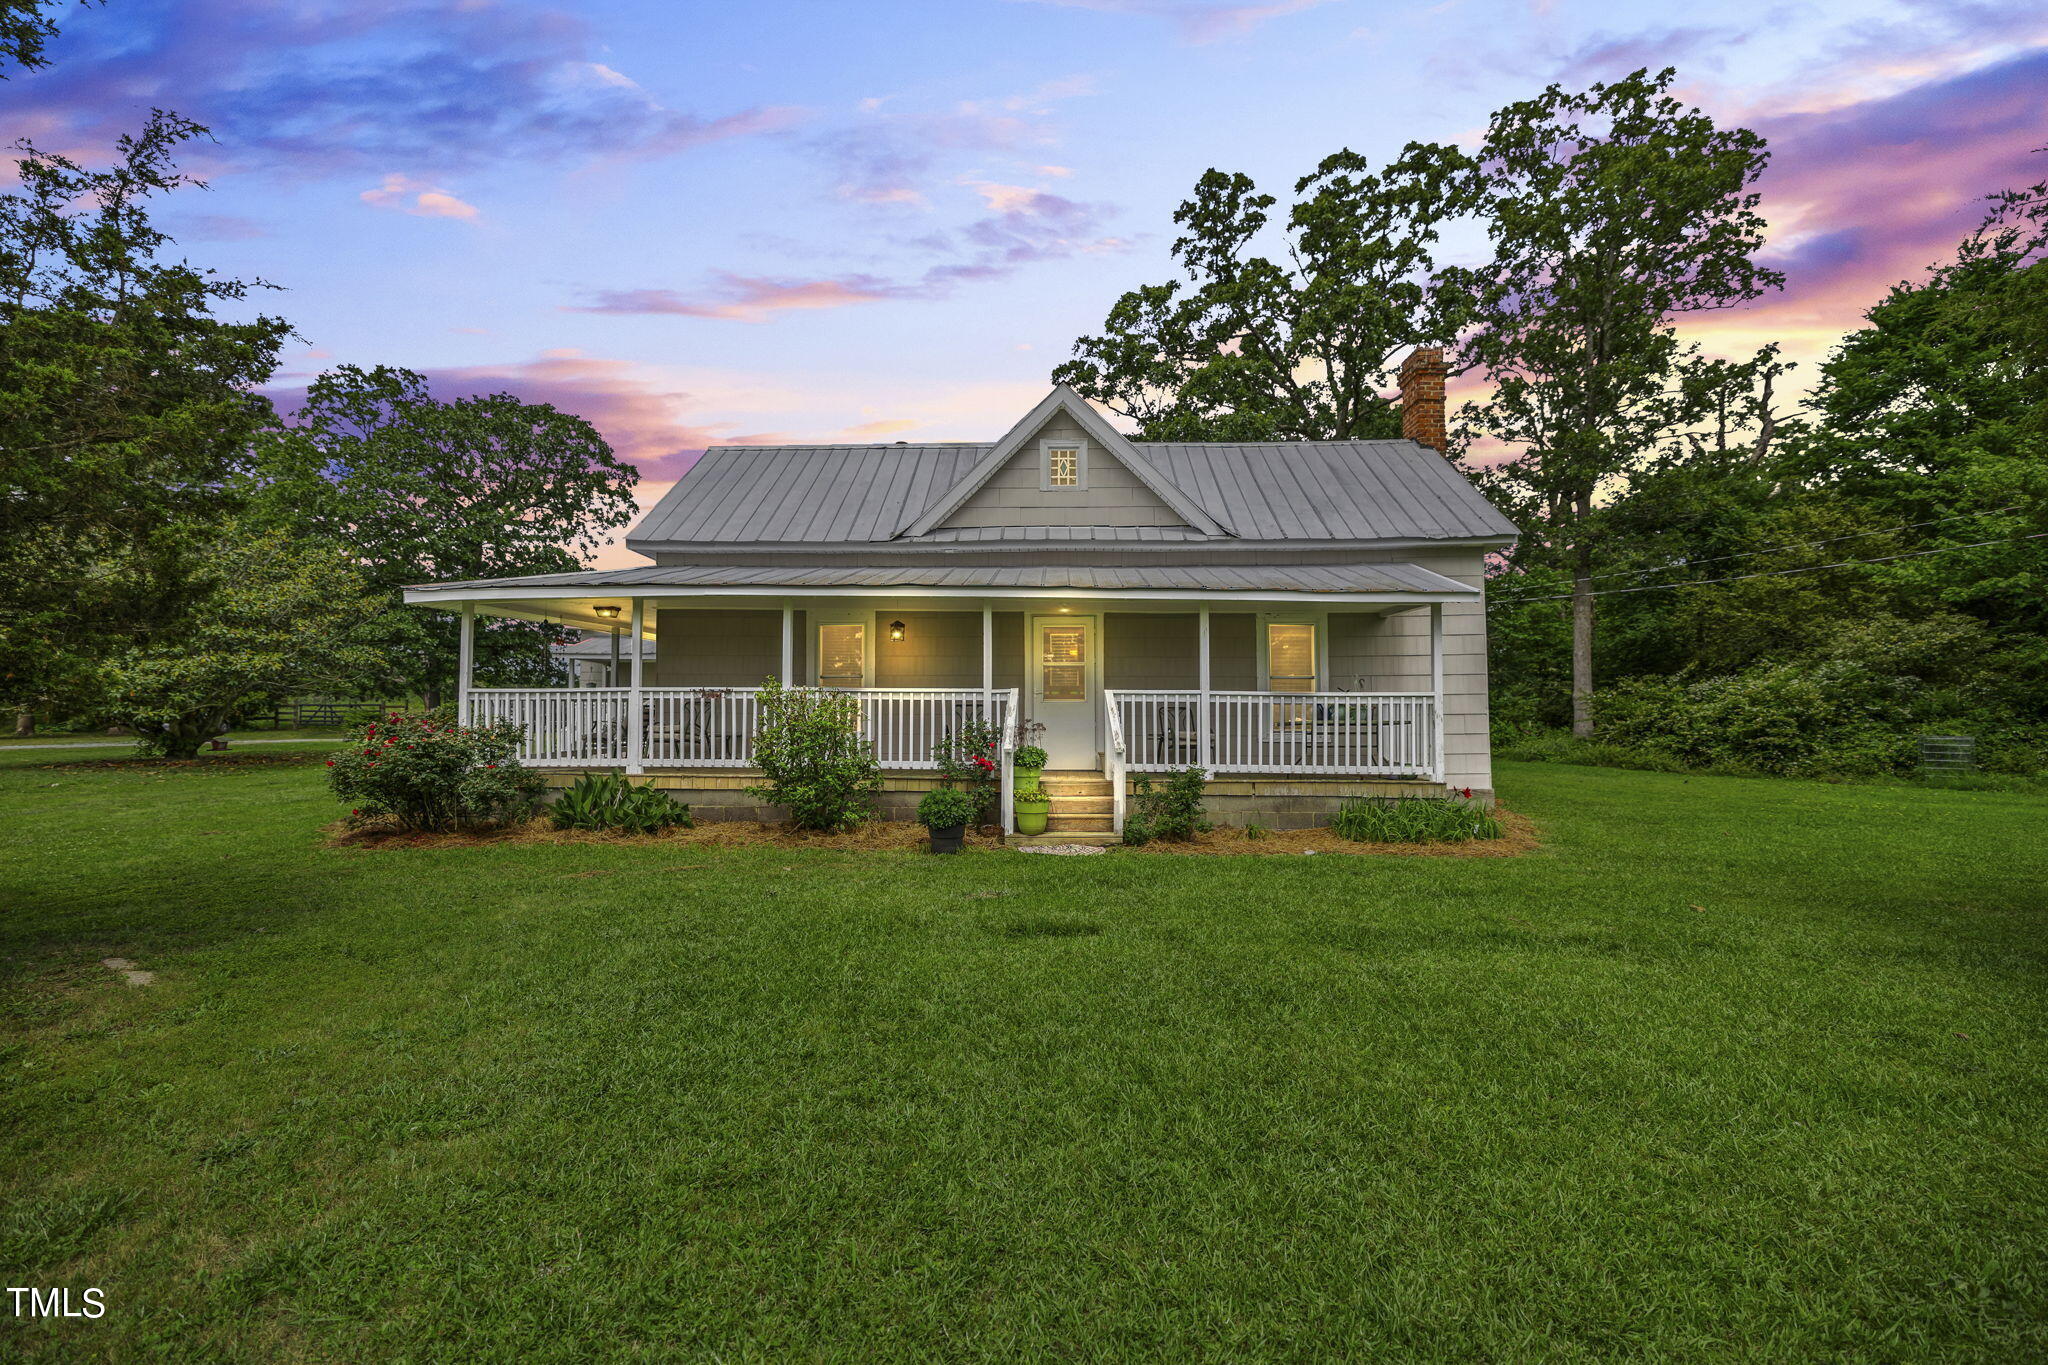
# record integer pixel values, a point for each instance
(1368, 734)
(713, 727)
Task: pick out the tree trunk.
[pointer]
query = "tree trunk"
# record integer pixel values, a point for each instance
(430, 698)
(1582, 640)
(24, 723)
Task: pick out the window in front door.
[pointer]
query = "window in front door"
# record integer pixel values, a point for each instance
(1063, 663)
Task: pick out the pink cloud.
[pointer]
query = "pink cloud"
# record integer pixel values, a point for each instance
(1863, 195)
(744, 298)
(1025, 226)
(658, 428)
(426, 201)
(1199, 21)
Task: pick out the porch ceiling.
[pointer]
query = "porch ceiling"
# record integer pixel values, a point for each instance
(572, 598)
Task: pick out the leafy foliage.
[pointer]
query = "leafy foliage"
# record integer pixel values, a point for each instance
(126, 405)
(1413, 820)
(1028, 756)
(428, 773)
(947, 808)
(607, 801)
(968, 755)
(422, 490)
(1611, 214)
(819, 765)
(1257, 350)
(1170, 810)
(265, 616)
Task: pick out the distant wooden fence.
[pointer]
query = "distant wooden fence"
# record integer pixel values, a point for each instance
(304, 715)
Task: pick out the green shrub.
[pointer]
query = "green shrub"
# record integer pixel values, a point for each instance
(1172, 810)
(1029, 756)
(428, 773)
(945, 808)
(607, 801)
(819, 765)
(1413, 820)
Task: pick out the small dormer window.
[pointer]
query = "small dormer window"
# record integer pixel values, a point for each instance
(1065, 464)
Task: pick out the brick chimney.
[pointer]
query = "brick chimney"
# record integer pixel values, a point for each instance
(1422, 396)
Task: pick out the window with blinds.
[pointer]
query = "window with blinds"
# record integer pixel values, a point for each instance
(1063, 663)
(842, 654)
(1063, 466)
(1290, 657)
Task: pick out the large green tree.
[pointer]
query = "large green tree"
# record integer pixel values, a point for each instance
(1612, 214)
(1254, 347)
(421, 490)
(127, 403)
(269, 614)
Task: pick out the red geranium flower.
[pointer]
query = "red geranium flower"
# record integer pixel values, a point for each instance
(330, 762)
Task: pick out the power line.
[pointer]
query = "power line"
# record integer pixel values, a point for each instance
(1801, 545)
(1768, 573)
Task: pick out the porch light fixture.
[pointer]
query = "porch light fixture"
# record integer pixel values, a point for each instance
(895, 630)
(609, 613)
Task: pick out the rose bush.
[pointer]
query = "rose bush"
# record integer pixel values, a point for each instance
(430, 773)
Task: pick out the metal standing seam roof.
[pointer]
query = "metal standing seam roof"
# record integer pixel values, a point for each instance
(1333, 578)
(981, 535)
(1285, 490)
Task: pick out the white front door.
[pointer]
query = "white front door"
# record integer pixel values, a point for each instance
(1066, 695)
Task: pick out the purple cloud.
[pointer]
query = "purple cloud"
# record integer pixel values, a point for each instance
(369, 84)
(1024, 226)
(1199, 21)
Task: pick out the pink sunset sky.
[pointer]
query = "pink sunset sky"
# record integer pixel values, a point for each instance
(821, 222)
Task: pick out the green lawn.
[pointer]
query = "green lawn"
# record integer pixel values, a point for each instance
(1732, 1070)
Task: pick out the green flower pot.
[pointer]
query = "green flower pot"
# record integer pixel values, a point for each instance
(1031, 815)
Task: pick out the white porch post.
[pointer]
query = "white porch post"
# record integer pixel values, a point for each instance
(612, 678)
(788, 644)
(1202, 718)
(636, 735)
(988, 662)
(465, 662)
(1436, 688)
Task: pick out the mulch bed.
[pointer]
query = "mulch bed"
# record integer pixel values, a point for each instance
(903, 836)
(875, 835)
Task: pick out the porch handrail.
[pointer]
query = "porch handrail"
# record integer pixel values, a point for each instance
(1007, 758)
(1113, 744)
(714, 727)
(1367, 734)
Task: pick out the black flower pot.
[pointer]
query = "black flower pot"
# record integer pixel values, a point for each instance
(950, 839)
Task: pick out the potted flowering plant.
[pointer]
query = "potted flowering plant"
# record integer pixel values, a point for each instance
(1029, 757)
(944, 813)
(1032, 804)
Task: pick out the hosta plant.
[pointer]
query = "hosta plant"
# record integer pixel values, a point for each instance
(606, 801)
(427, 773)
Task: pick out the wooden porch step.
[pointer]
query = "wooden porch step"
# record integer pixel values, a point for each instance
(1083, 783)
(1064, 804)
(1027, 840)
(1057, 823)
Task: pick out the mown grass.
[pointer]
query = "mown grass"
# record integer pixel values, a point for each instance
(1729, 1070)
